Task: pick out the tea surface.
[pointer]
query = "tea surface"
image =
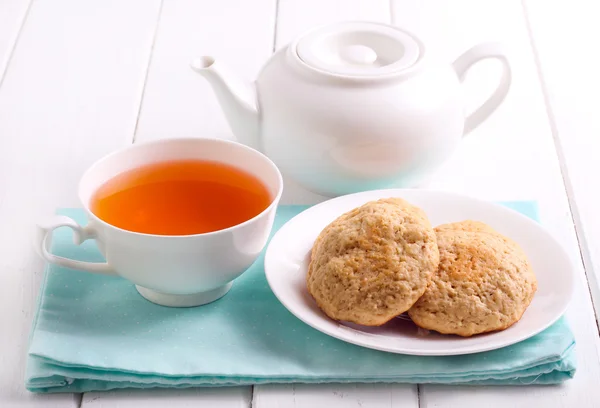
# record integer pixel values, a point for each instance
(180, 198)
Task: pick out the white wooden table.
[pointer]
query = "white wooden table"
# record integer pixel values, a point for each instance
(81, 78)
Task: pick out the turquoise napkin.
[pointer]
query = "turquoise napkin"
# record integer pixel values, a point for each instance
(95, 332)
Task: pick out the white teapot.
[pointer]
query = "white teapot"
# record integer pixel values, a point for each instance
(354, 106)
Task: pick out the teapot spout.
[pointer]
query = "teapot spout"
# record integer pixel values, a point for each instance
(237, 99)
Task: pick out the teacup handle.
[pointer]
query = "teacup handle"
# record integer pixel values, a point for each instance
(80, 234)
(473, 55)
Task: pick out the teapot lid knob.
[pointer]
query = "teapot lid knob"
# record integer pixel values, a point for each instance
(358, 54)
(358, 49)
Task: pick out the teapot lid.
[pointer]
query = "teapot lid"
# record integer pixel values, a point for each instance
(358, 49)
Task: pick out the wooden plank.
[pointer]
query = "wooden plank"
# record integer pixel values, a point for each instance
(179, 103)
(502, 147)
(234, 397)
(570, 73)
(12, 16)
(511, 156)
(70, 95)
(295, 17)
(336, 395)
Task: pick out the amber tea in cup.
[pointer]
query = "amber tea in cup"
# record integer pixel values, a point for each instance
(182, 197)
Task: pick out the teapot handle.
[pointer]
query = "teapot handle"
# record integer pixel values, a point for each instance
(462, 64)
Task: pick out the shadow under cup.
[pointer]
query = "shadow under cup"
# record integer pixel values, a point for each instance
(182, 270)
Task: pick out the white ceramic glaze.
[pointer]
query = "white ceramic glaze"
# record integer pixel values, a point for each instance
(186, 270)
(355, 106)
(288, 255)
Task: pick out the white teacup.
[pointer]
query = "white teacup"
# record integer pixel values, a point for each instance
(178, 271)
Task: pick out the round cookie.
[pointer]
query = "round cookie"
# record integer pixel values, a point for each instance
(467, 225)
(373, 262)
(484, 282)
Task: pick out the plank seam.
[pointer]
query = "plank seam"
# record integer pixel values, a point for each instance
(275, 25)
(147, 72)
(15, 42)
(582, 244)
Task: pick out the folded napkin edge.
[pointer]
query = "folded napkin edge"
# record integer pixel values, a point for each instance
(34, 323)
(546, 377)
(549, 361)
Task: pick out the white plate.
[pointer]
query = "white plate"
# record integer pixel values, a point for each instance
(288, 254)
